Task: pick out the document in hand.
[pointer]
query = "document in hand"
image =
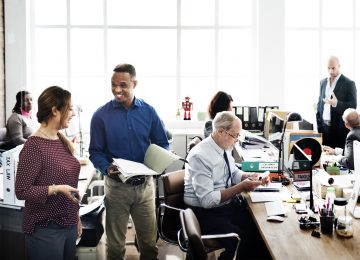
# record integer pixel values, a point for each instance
(156, 160)
(272, 186)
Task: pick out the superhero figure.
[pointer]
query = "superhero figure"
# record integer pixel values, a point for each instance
(187, 106)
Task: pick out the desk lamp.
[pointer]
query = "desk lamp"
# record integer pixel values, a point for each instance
(311, 164)
(81, 141)
(291, 117)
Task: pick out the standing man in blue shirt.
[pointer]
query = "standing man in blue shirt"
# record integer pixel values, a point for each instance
(124, 128)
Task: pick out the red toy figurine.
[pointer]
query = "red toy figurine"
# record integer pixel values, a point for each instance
(187, 106)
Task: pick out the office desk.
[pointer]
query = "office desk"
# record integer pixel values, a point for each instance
(285, 240)
(12, 241)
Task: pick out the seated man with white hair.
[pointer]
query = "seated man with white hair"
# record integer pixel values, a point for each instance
(352, 122)
(213, 186)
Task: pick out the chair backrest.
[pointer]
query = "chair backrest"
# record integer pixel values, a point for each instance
(3, 142)
(173, 196)
(2, 133)
(192, 233)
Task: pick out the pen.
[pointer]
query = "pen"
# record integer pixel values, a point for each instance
(328, 206)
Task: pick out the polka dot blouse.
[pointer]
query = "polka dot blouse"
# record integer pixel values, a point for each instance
(42, 163)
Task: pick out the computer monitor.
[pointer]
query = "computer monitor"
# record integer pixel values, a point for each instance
(352, 203)
(274, 124)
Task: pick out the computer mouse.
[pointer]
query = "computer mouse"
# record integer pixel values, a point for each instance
(275, 219)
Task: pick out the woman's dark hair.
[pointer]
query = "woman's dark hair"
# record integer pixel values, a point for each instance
(55, 96)
(20, 97)
(220, 102)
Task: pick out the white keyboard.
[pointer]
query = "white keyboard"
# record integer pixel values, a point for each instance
(275, 208)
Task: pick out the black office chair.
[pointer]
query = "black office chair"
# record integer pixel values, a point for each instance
(191, 241)
(173, 203)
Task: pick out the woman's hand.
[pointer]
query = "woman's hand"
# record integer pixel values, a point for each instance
(70, 192)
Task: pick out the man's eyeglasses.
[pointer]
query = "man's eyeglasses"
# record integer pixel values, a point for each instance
(236, 137)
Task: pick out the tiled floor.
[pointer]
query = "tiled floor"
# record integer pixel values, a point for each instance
(166, 251)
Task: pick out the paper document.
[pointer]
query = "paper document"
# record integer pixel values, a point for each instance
(131, 168)
(271, 186)
(156, 160)
(91, 207)
(283, 195)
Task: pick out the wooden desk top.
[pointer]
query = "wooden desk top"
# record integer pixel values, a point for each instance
(285, 240)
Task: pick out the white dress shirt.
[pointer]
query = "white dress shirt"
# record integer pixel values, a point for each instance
(206, 174)
(329, 90)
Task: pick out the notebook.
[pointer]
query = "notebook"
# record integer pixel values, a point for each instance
(353, 208)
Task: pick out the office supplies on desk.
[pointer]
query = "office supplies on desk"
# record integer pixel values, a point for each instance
(247, 166)
(264, 175)
(256, 197)
(302, 185)
(275, 219)
(251, 145)
(275, 208)
(270, 187)
(339, 182)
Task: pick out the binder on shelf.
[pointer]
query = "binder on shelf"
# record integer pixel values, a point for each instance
(261, 118)
(10, 159)
(253, 118)
(239, 112)
(246, 118)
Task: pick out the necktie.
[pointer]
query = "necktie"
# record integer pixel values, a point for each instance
(228, 166)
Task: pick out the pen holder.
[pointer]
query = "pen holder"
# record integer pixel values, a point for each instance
(327, 223)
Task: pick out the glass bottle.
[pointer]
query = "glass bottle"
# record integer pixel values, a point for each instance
(344, 223)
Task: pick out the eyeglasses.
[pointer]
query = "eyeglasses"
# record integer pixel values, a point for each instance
(236, 137)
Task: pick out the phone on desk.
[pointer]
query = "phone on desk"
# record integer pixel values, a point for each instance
(264, 175)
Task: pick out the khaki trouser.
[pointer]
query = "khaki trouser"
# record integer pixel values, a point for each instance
(138, 201)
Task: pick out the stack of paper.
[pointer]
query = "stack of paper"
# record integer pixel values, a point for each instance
(129, 169)
(271, 186)
(156, 160)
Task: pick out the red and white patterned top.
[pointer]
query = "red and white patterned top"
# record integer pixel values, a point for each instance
(42, 163)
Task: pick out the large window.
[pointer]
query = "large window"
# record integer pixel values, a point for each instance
(179, 47)
(316, 29)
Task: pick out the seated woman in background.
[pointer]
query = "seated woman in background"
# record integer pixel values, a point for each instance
(20, 124)
(220, 102)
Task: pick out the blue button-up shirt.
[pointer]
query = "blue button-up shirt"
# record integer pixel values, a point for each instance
(116, 132)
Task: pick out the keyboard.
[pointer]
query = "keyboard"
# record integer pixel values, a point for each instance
(275, 208)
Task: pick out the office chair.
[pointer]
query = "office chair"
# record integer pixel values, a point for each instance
(173, 203)
(168, 216)
(191, 241)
